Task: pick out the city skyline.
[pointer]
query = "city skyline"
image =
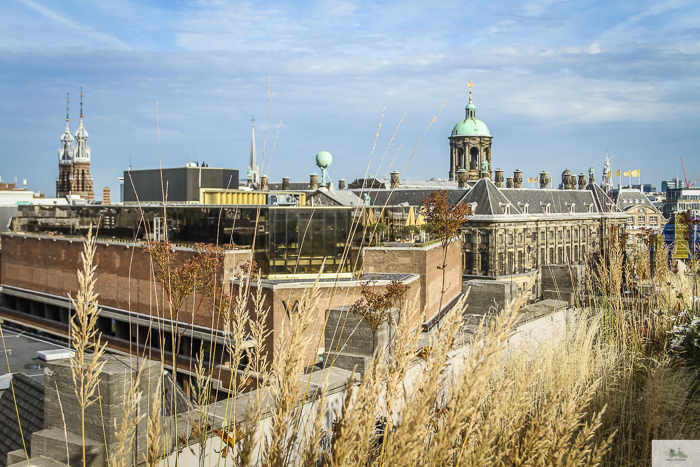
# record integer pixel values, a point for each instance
(558, 84)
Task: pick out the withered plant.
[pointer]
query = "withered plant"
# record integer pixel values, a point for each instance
(375, 307)
(86, 363)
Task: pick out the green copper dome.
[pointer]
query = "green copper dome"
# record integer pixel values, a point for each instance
(471, 127)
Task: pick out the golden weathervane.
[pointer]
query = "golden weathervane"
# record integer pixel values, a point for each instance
(471, 85)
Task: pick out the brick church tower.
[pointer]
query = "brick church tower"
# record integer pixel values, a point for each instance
(74, 161)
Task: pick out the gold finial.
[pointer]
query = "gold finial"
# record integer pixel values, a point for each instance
(471, 85)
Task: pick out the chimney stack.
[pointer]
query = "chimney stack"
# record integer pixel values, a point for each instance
(263, 183)
(498, 178)
(518, 178)
(582, 181)
(462, 178)
(394, 179)
(568, 180)
(313, 181)
(544, 179)
(509, 182)
(285, 183)
(341, 184)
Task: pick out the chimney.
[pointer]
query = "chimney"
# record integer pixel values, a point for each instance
(509, 182)
(568, 180)
(394, 179)
(341, 184)
(518, 178)
(106, 196)
(263, 183)
(285, 183)
(462, 178)
(498, 178)
(313, 181)
(544, 179)
(582, 181)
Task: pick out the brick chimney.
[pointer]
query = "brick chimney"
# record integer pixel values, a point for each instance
(285, 183)
(341, 184)
(313, 182)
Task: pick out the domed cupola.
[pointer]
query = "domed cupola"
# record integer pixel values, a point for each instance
(470, 143)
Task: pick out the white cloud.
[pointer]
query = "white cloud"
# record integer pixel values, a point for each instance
(96, 38)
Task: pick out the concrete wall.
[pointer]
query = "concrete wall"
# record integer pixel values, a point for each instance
(423, 260)
(562, 282)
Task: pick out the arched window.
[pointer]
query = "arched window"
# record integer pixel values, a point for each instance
(474, 159)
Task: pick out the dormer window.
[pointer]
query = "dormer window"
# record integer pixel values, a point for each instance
(546, 207)
(524, 207)
(505, 207)
(588, 206)
(571, 206)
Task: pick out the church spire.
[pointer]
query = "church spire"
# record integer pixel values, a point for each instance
(65, 154)
(82, 151)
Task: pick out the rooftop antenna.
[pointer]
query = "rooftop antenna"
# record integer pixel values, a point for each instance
(81, 101)
(67, 102)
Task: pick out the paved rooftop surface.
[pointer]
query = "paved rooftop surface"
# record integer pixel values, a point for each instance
(22, 351)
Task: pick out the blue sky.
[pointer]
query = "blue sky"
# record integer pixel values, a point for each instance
(557, 83)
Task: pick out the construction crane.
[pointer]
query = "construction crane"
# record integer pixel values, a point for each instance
(687, 183)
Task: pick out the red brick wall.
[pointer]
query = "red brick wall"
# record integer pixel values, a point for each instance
(124, 274)
(423, 261)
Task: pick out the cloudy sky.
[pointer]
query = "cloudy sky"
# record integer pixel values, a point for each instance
(557, 83)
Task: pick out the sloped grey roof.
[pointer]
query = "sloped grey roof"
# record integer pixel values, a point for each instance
(293, 186)
(340, 197)
(408, 196)
(628, 198)
(559, 201)
(605, 204)
(30, 405)
(490, 201)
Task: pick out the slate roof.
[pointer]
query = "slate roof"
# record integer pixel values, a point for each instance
(605, 204)
(30, 405)
(489, 199)
(493, 203)
(293, 186)
(628, 198)
(340, 197)
(408, 196)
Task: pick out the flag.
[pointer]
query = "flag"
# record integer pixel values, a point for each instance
(609, 174)
(635, 173)
(536, 179)
(617, 173)
(530, 180)
(626, 174)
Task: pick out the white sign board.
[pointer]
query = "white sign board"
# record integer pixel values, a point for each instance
(675, 452)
